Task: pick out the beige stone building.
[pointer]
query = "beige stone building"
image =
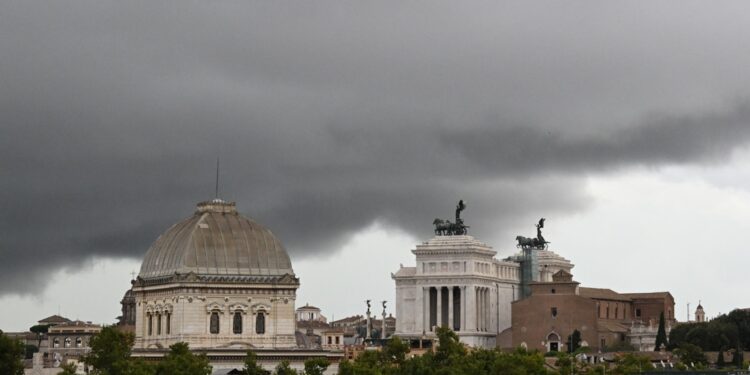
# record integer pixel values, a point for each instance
(223, 284)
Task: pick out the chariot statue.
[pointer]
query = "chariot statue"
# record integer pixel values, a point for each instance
(538, 243)
(446, 228)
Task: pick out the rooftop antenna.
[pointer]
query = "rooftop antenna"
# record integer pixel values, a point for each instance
(217, 178)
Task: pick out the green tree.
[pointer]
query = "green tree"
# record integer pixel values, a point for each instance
(631, 363)
(316, 366)
(29, 351)
(737, 359)
(720, 363)
(252, 367)
(180, 361)
(574, 341)
(67, 369)
(110, 352)
(395, 350)
(138, 366)
(40, 330)
(449, 349)
(661, 334)
(520, 361)
(449, 358)
(564, 363)
(11, 355)
(284, 369)
(690, 354)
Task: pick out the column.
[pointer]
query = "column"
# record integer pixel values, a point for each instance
(450, 307)
(478, 309)
(471, 311)
(432, 298)
(488, 312)
(484, 309)
(425, 309)
(418, 315)
(457, 313)
(439, 312)
(463, 308)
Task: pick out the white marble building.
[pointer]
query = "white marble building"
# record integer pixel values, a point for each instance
(458, 282)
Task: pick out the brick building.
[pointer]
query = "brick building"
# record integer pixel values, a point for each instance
(555, 309)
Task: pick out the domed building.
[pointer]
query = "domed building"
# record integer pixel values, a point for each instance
(221, 283)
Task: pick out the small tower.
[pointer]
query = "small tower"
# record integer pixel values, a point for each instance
(700, 315)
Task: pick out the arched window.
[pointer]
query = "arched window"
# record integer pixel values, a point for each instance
(260, 323)
(168, 322)
(237, 323)
(158, 324)
(67, 342)
(150, 324)
(214, 323)
(56, 343)
(79, 342)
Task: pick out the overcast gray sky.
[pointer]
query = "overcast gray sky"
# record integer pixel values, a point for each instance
(338, 120)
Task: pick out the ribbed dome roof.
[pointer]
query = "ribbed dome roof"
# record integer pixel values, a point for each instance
(216, 240)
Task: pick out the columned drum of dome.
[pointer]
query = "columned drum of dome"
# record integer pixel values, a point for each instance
(213, 275)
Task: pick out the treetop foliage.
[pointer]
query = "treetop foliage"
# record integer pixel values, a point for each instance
(11, 355)
(451, 357)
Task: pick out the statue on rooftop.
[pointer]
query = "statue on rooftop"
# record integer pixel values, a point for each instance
(446, 228)
(538, 243)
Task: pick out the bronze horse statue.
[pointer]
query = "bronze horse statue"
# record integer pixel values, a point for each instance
(446, 228)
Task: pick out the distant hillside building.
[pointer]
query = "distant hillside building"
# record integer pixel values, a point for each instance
(310, 313)
(72, 339)
(54, 320)
(700, 315)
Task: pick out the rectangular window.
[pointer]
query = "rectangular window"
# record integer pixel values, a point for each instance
(150, 324)
(237, 323)
(637, 313)
(214, 323)
(169, 323)
(554, 312)
(260, 323)
(158, 324)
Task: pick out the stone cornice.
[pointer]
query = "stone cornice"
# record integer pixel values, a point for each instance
(285, 280)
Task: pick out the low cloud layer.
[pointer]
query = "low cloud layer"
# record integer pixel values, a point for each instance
(328, 117)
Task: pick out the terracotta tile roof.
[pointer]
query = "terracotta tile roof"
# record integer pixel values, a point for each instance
(78, 323)
(610, 326)
(600, 293)
(308, 307)
(648, 295)
(54, 319)
(351, 319)
(311, 324)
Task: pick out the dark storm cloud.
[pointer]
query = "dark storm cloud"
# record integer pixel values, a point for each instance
(330, 116)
